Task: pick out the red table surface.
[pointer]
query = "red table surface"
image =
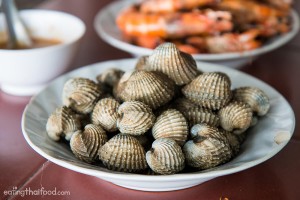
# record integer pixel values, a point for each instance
(22, 168)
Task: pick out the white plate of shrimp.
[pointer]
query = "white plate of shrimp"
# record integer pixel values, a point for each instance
(232, 33)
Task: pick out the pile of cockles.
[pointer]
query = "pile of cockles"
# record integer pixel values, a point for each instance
(164, 117)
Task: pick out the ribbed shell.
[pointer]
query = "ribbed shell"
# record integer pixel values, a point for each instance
(234, 142)
(81, 94)
(86, 144)
(105, 114)
(151, 88)
(209, 147)
(110, 76)
(62, 123)
(84, 119)
(196, 114)
(236, 117)
(135, 118)
(165, 157)
(123, 153)
(142, 63)
(210, 90)
(178, 66)
(171, 124)
(145, 140)
(242, 137)
(254, 97)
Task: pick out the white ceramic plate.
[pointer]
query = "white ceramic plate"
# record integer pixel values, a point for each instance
(107, 29)
(278, 125)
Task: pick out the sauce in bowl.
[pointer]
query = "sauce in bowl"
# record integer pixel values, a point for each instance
(36, 43)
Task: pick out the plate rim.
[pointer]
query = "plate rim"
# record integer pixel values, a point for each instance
(136, 50)
(141, 177)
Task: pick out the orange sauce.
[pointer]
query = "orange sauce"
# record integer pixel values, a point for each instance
(36, 43)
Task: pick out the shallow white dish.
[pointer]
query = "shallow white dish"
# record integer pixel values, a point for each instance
(107, 29)
(265, 140)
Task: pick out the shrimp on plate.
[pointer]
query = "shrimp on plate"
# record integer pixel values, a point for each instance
(205, 26)
(248, 11)
(173, 25)
(167, 6)
(280, 4)
(226, 43)
(269, 20)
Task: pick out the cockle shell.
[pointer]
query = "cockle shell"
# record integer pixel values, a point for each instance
(123, 153)
(242, 137)
(151, 88)
(135, 118)
(165, 157)
(105, 114)
(196, 114)
(110, 76)
(254, 120)
(86, 144)
(171, 124)
(178, 66)
(210, 90)
(236, 117)
(84, 119)
(209, 147)
(142, 63)
(81, 94)
(254, 97)
(234, 142)
(145, 140)
(62, 123)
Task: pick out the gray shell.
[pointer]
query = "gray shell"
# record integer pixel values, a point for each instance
(135, 118)
(234, 142)
(209, 147)
(196, 114)
(165, 157)
(171, 124)
(86, 144)
(145, 140)
(142, 63)
(236, 117)
(123, 153)
(62, 123)
(210, 90)
(110, 76)
(81, 94)
(105, 114)
(178, 66)
(151, 88)
(254, 97)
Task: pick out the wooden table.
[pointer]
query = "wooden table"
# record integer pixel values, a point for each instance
(22, 168)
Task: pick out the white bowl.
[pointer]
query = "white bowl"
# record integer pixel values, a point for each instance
(25, 72)
(107, 29)
(264, 140)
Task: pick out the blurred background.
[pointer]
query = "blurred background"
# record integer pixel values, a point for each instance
(23, 4)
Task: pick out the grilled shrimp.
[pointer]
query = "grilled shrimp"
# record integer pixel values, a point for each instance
(150, 42)
(270, 27)
(233, 42)
(164, 6)
(173, 25)
(226, 43)
(250, 11)
(280, 4)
